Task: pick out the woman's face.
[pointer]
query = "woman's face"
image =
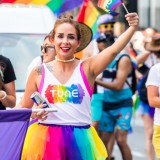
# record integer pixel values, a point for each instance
(49, 51)
(65, 40)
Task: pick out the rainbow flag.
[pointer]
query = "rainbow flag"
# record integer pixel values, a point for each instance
(61, 6)
(89, 15)
(57, 6)
(109, 5)
(133, 55)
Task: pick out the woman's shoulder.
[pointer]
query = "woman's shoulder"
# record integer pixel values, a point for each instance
(37, 69)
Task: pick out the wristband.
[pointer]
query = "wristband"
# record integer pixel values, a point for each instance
(5, 95)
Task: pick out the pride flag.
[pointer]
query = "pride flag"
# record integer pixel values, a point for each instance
(133, 55)
(89, 15)
(13, 128)
(57, 6)
(109, 5)
(61, 6)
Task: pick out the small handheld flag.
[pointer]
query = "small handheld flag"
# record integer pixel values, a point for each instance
(110, 5)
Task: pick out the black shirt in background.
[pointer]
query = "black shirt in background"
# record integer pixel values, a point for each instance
(8, 73)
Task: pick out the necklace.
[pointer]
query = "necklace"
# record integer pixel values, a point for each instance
(64, 61)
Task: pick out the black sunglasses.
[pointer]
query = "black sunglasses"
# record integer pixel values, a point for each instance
(107, 26)
(47, 48)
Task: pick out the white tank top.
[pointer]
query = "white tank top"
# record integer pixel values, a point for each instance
(71, 99)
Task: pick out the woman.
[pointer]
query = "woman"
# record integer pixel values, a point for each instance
(48, 54)
(67, 83)
(153, 92)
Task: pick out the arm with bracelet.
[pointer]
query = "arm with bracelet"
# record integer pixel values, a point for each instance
(7, 91)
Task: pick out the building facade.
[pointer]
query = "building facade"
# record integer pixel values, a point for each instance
(149, 12)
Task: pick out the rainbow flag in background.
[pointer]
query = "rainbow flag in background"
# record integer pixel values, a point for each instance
(133, 55)
(109, 5)
(57, 6)
(89, 15)
(61, 6)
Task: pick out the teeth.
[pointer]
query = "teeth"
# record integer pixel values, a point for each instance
(65, 48)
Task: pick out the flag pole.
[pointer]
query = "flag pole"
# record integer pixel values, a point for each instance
(125, 8)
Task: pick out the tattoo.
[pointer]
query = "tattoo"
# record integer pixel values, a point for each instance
(38, 69)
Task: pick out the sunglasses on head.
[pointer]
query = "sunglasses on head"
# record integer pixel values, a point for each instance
(107, 26)
(47, 48)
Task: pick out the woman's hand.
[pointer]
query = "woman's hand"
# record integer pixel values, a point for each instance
(41, 115)
(133, 19)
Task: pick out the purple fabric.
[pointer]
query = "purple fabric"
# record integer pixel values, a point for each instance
(151, 111)
(69, 5)
(13, 127)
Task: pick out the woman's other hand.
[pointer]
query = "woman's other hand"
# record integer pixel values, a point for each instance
(133, 19)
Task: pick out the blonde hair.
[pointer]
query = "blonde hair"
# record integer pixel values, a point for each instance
(67, 18)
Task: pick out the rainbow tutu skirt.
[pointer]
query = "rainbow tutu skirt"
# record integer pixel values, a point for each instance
(56, 142)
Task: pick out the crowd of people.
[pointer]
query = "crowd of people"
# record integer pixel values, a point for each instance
(93, 95)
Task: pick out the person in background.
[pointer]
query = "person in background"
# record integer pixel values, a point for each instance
(117, 104)
(105, 27)
(68, 86)
(103, 41)
(144, 109)
(7, 83)
(153, 91)
(106, 24)
(48, 54)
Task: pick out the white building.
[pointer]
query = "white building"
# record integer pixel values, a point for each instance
(149, 11)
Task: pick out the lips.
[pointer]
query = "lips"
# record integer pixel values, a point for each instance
(65, 49)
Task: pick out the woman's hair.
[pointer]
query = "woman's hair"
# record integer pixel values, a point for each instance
(67, 18)
(49, 36)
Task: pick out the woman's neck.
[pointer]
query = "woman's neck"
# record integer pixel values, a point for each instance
(64, 61)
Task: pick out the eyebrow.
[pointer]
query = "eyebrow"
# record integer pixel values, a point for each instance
(70, 34)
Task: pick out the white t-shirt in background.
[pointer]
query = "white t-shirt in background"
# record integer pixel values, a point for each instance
(154, 80)
(37, 61)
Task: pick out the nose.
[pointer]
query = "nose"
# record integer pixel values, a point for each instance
(65, 40)
(43, 50)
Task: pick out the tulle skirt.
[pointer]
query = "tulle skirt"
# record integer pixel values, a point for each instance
(56, 142)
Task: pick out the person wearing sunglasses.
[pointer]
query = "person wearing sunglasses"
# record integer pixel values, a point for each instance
(105, 28)
(106, 24)
(48, 54)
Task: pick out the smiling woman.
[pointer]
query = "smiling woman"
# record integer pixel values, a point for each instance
(67, 84)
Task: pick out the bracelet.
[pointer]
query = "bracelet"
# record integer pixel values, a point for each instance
(5, 94)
